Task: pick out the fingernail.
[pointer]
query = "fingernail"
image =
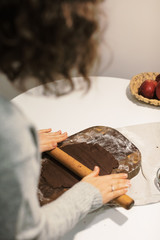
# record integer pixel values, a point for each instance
(95, 168)
(128, 184)
(125, 175)
(126, 189)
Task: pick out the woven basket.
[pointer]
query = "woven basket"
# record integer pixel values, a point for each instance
(136, 82)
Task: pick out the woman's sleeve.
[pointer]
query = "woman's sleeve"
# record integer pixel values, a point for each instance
(21, 215)
(64, 213)
(54, 219)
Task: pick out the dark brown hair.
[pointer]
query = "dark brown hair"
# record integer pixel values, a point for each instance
(45, 38)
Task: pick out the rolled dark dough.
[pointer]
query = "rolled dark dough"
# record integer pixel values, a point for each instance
(55, 178)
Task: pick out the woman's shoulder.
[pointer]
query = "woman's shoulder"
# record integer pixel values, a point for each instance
(6, 107)
(17, 135)
(11, 114)
(13, 122)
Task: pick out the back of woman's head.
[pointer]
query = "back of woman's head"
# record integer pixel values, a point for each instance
(47, 38)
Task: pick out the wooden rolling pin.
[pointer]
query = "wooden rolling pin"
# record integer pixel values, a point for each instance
(82, 171)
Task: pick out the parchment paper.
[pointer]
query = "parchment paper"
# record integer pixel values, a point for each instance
(146, 137)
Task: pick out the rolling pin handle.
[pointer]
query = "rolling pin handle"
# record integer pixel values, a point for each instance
(125, 201)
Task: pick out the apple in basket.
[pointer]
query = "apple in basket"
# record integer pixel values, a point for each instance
(147, 88)
(158, 78)
(158, 90)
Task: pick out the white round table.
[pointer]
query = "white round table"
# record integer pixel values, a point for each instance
(108, 103)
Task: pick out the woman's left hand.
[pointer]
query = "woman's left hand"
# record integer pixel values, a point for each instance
(48, 140)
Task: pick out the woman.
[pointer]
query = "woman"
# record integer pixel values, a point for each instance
(44, 40)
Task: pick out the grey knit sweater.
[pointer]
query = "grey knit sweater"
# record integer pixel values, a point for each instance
(21, 216)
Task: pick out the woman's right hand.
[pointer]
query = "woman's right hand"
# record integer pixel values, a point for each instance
(110, 186)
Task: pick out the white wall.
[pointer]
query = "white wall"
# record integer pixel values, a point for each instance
(132, 37)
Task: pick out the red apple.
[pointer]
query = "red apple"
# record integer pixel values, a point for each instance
(158, 90)
(158, 78)
(155, 82)
(147, 88)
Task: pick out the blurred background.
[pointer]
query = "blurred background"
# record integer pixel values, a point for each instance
(133, 38)
(130, 44)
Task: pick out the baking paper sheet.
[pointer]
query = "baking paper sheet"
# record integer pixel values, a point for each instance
(146, 138)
